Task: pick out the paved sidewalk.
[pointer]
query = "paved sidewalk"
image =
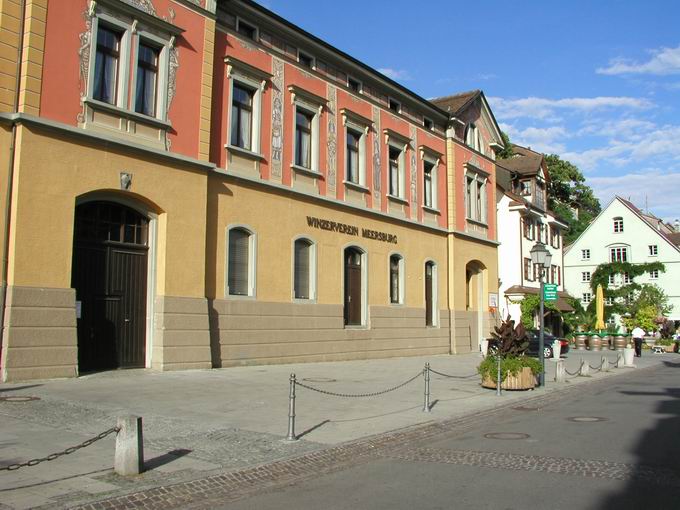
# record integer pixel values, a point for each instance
(202, 423)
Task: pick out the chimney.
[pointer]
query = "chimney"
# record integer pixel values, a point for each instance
(676, 225)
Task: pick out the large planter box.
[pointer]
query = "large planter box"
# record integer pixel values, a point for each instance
(524, 380)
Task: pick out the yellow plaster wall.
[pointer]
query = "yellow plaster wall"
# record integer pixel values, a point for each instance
(52, 172)
(279, 217)
(10, 13)
(464, 251)
(5, 141)
(206, 90)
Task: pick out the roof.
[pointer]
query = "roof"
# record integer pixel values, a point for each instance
(673, 238)
(523, 162)
(457, 102)
(561, 303)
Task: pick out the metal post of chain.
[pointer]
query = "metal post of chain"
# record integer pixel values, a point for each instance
(605, 365)
(426, 400)
(498, 373)
(291, 410)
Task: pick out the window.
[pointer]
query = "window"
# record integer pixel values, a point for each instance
(428, 124)
(609, 301)
(241, 262)
(475, 197)
(525, 188)
(396, 279)
(430, 294)
(242, 116)
(585, 254)
(246, 30)
(305, 60)
(619, 254)
(527, 270)
(585, 276)
(559, 276)
(554, 237)
(303, 269)
(555, 274)
(394, 105)
(472, 139)
(429, 184)
(612, 279)
(626, 278)
(147, 79)
(618, 225)
(303, 138)
(353, 84)
(106, 65)
(653, 250)
(586, 298)
(528, 228)
(539, 199)
(654, 274)
(353, 153)
(396, 172)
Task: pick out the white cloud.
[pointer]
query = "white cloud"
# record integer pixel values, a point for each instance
(395, 74)
(663, 61)
(542, 108)
(548, 140)
(655, 187)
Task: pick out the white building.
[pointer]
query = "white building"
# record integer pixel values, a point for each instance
(524, 220)
(622, 232)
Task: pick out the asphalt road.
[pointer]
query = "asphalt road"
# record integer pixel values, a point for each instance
(615, 445)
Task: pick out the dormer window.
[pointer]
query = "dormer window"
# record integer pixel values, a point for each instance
(525, 187)
(618, 225)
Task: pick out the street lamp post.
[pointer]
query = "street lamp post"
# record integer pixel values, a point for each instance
(541, 257)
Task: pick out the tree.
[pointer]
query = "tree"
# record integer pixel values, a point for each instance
(570, 197)
(507, 150)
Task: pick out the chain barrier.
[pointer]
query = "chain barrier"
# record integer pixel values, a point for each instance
(573, 373)
(67, 451)
(596, 368)
(360, 395)
(612, 364)
(453, 376)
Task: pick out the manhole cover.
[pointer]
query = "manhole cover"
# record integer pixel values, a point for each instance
(319, 379)
(507, 435)
(586, 419)
(18, 398)
(526, 408)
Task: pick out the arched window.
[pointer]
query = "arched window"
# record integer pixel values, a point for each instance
(241, 262)
(396, 279)
(303, 269)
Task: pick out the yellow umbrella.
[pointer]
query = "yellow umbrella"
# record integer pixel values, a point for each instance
(599, 307)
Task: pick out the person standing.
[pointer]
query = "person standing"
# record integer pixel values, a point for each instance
(638, 334)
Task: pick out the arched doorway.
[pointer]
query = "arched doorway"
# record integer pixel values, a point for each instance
(109, 274)
(474, 301)
(353, 287)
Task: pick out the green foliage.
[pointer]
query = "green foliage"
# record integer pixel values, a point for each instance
(644, 317)
(567, 190)
(507, 152)
(529, 305)
(581, 319)
(511, 340)
(511, 364)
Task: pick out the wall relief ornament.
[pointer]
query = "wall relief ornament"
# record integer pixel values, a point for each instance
(376, 156)
(277, 116)
(414, 172)
(332, 95)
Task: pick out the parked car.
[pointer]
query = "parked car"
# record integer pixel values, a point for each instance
(548, 339)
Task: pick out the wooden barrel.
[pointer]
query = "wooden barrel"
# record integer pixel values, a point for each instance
(595, 343)
(620, 342)
(580, 342)
(607, 342)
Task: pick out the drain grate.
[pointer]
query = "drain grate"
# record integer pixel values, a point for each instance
(18, 398)
(586, 419)
(507, 436)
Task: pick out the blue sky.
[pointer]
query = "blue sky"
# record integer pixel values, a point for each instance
(596, 82)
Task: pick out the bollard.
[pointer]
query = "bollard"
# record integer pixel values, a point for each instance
(560, 374)
(426, 401)
(291, 410)
(583, 371)
(498, 374)
(619, 360)
(605, 364)
(129, 456)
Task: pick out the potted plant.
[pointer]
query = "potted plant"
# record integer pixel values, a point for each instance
(518, 372)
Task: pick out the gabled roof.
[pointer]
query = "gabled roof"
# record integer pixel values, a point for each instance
(647, 218)
(457, 102)
(523, 162)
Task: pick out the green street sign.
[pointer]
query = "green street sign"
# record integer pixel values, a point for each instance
(550, 292)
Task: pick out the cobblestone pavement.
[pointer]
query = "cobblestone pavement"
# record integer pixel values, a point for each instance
(223, 488)
(555, 465)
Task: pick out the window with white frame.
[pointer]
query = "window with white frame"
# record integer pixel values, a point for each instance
(618, 225)
(429, 183)
(307, 110)
(475, 196)
(525, 187)
(240, 262)
(304, 263)
(585, 276)
(396, 279)
(626, 278)
(472, 138)
(586, 298)
(618, 254)
(129, 61)
(585, 254)
(612, 279)
(528, 274)
(528, 228)
(654, 274)
(303, 138)
(245, 90)
(242, 116)
(609, 301)
(396, 163)
(653, 250)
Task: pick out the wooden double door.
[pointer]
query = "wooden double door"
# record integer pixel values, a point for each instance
(109, 274)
